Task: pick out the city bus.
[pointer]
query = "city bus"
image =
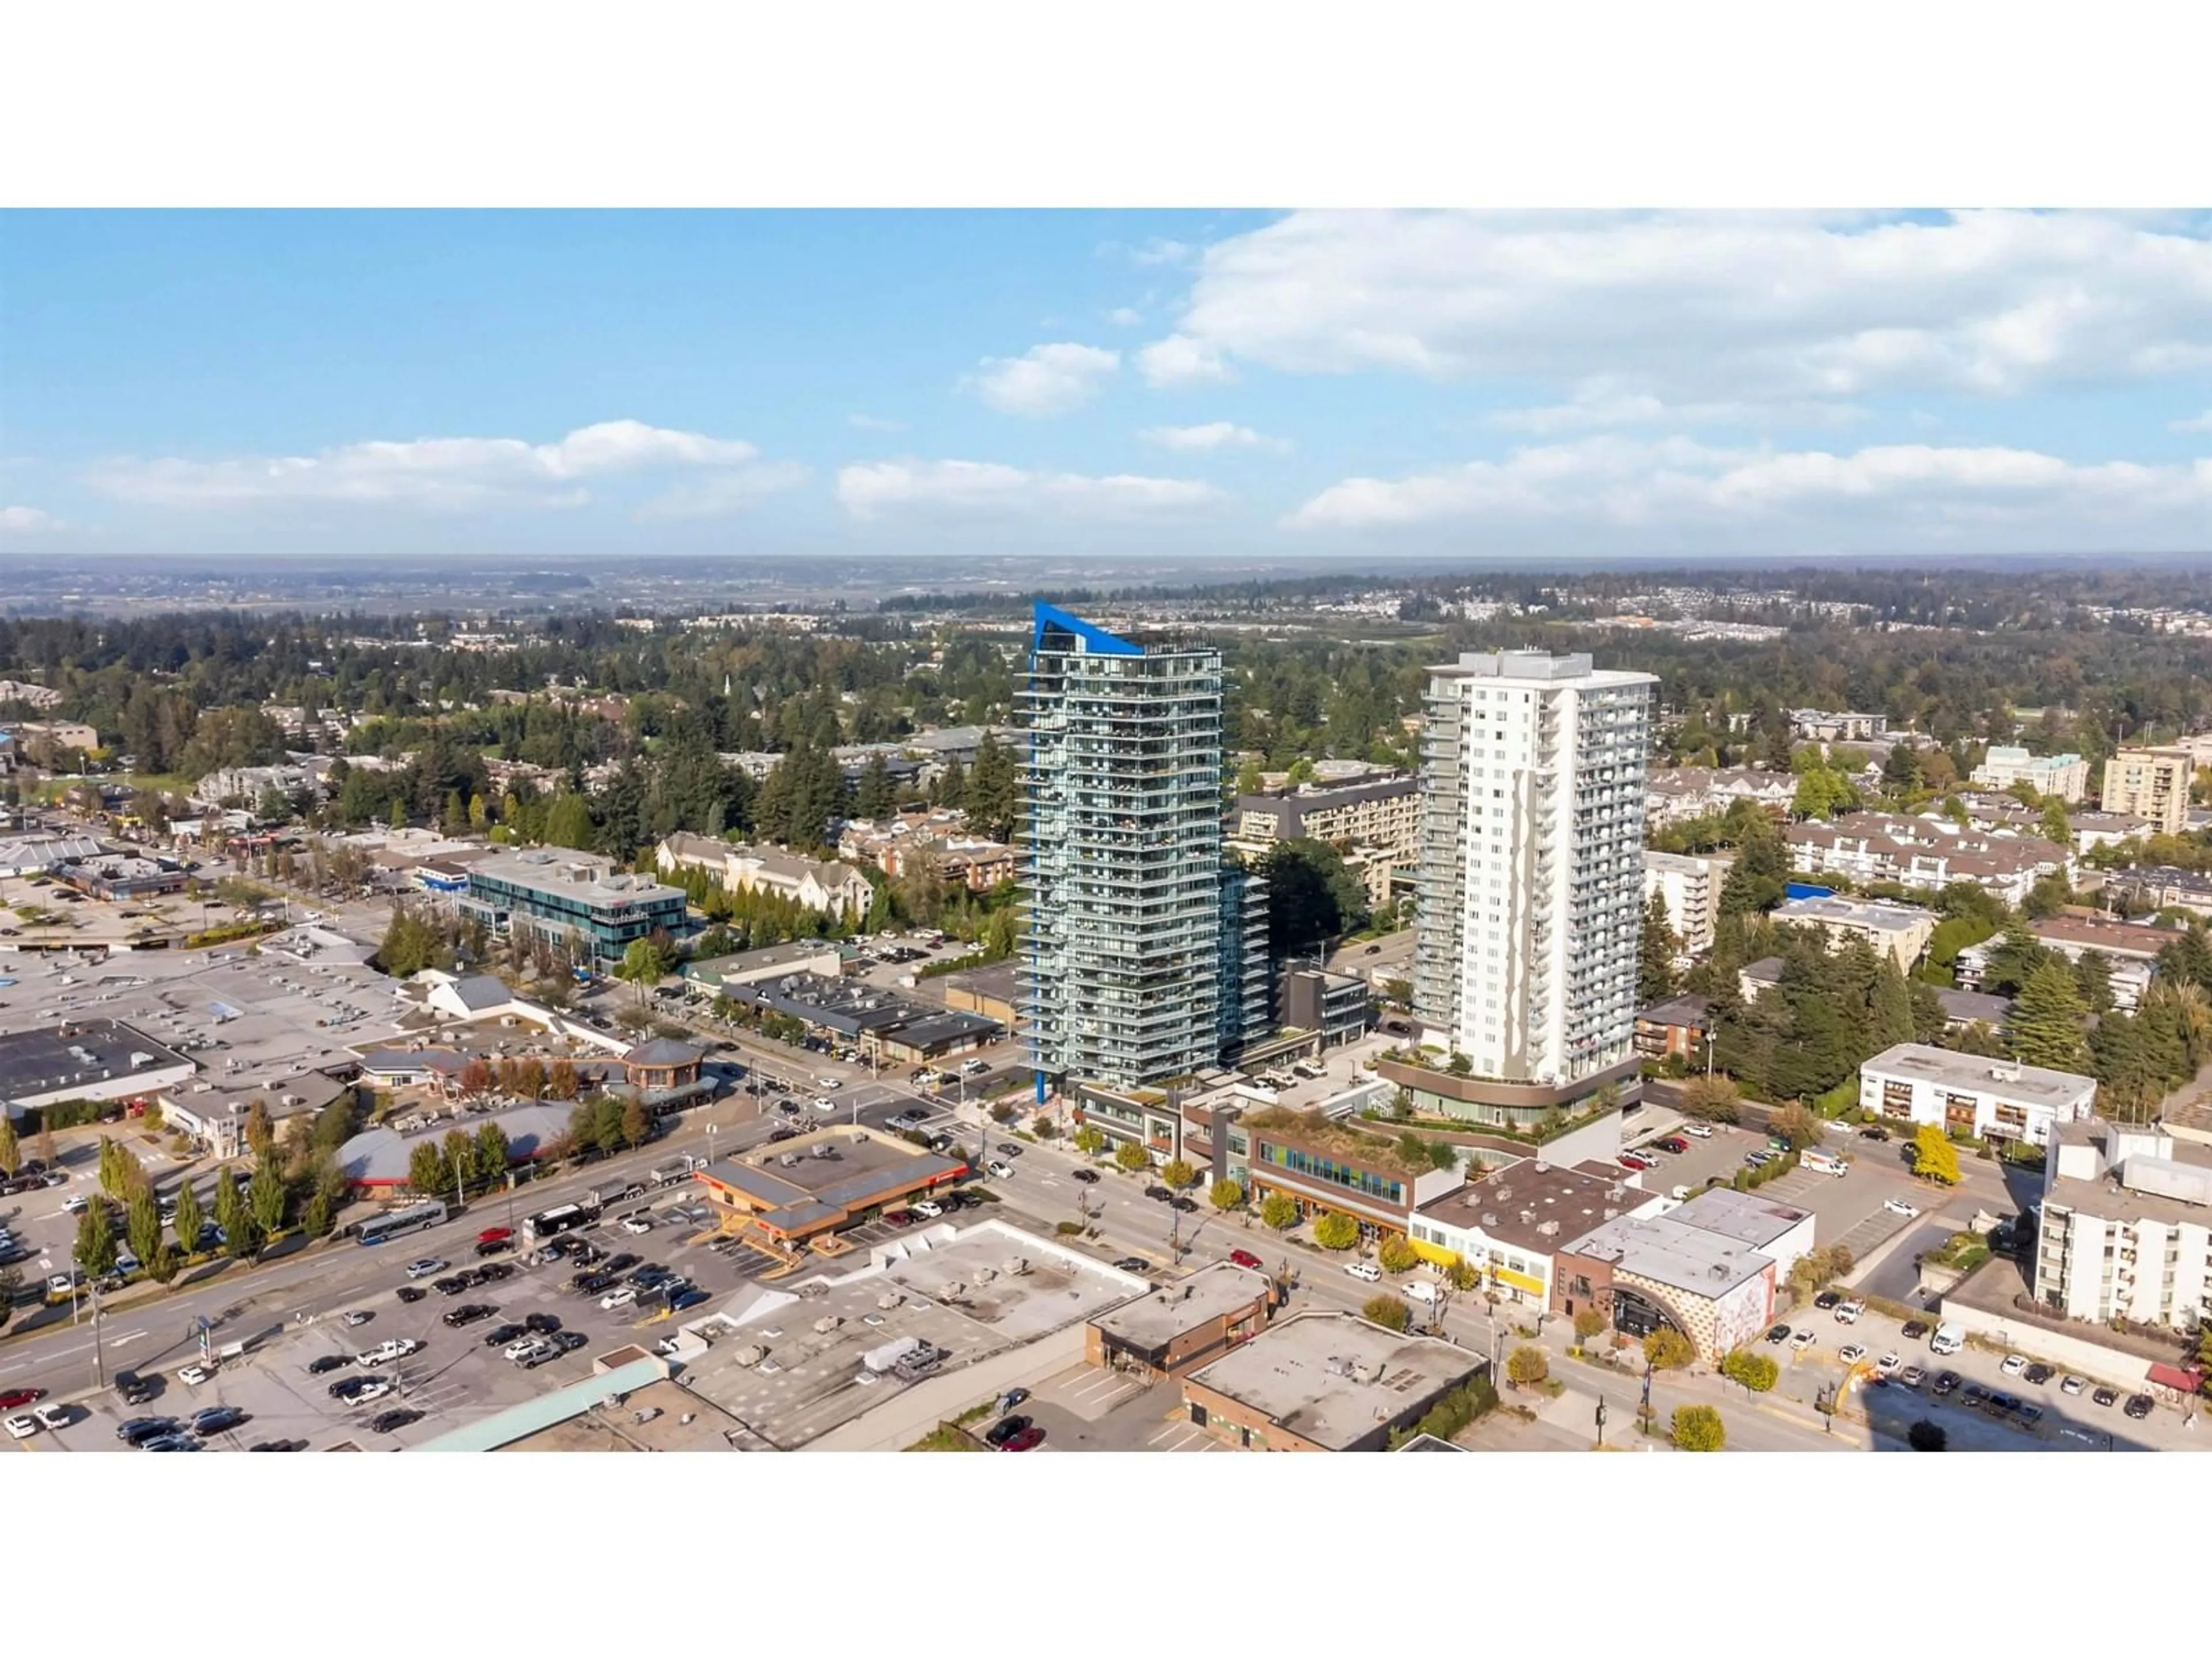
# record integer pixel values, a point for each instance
(416, 1217)
(559, 1219)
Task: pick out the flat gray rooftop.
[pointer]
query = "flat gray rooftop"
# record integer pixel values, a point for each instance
(1153, 1322)
(1331, 1378)
(790, 1176)
(1674, 1253)
(808, 1381)
(92, 1051)
(1744, 1216)
(2029, 1085)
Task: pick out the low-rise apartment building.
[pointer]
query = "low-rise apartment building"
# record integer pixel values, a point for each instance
(2150, 783)
(2129, 950)
(2126, 1229)
(1971, 1094)
(579, 899)
(1691, 884)
(1925, 853)
(833, 889)
(2065, 776)
(1900, 931)
(1383, 812)
(1835, 725)
(1694, 792)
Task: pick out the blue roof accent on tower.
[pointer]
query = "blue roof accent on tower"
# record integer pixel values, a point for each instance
(1094, 637)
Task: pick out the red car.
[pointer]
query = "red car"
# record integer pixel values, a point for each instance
(1028, 1440)
(494, 1234)
(15, 1397)
(1636, 1161)
(1244, 1258)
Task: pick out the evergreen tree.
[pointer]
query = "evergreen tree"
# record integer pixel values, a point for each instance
(952, 786)
(569, 824)
(189, 1220)
(2092, 977)
(2044, 1027)
(874, 799)
(992, 796)
(1761, 871)
(1656, 948)
(95, 1240)
(1892, 1017)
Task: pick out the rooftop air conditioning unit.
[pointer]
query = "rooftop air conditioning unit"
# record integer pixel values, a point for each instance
(827, 1323)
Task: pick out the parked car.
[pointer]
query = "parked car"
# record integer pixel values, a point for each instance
(410, 1293)
(469, 1312)
(1802, 1341)
(425, 1266)
(1851, 1353)
(620, 1262)
(327, 1363)
(1636, 1161)
(500, 1335)
(637, 1224)
(2106, 1397)
(1945, 1382)
(1028, 1440)
(2014, 1365)
(621, 1297)
(390, 1422)
(450, 1286)
(1912, 1377)
(897, 1218)
(1699, 1131)
(528, 1347)
(544, 1324)
(1914, 1329)
(2139, 1406)
(22, 1427)
(1847, 1313)
(927, 1208)
(14, 1399)
(1004, 1430)
(2038, 1374)
(1779, 1334)
(215, 1418)
(1673, 1144)
(1827, 1299)
(493, 1247)
(192, 1376)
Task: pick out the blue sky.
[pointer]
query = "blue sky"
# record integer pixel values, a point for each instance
(1328, 383)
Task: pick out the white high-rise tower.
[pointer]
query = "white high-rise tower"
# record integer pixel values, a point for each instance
(1531, 877)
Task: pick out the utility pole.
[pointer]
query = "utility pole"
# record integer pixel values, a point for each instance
(99, 1357)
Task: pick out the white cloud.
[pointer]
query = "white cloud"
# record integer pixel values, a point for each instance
(1179, 360)
(1677, 492)
(1214, 435)
(2195, 423)
(1125, 316)
(720, 492)
(874, 423)
(1046, 380)
(27, 521)
(1161, 252)
(1599, 404)
(1715, 309)
(431, 472)
(872, 489)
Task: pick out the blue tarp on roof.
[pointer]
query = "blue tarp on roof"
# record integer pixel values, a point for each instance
(1050, 618)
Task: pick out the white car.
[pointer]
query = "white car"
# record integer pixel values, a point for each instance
(621, 1297)
(384, 1352)
(1901, 1206)
(55, 1417)
(378, 1388)
(1889, 1364)
(75, 1203)
(2072, 1384)
(1697, 1131)
(998, 1169)
(2014, 1365)
(823, 1104)
(825, 1081)
(357, 1316)
(193, 1375)
(1912, 1377)
(1802, 1341)
(637, 1224)
(23, 1427)
(425, 1266)
(529, 1348)
(928, 1208)
(1847, 1313)
(1851, 1353)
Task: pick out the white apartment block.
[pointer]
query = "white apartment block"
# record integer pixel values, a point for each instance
(2066, 777)
(1691, 884)
(2127, 1226)
(1970, 1094)
(1532, 864)
(2151, 783)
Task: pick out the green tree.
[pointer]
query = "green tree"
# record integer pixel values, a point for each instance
(1396, 1254)
(1797, 1124)
(1179, 1174)
(992, 794)
(1131, 1156)
(1462, 1274)
(490, 1155)
(267, 1198)
(189, 1220)
(11, 1286)
(1090, 1141)
(569, 824)
(2044, 1026)
(1527, 1365)
(1588, 1322)
(427, 1172)
(1698, 1429)
(1936, 1158)
(141, 1225)
(874, 799)
(1312, 897)
(260, 1133)
(2055, 826)
(643, 963)
(1280, 1211)
(1814, 1271)
(398, 819)
(1712, 1099)
(11, 1149)
(1226, 1194)
(1757, 1372)
(1655, 957)
(635, 1125)
(1668, 1350)
(95, 1240)
(1336, 1232)
(1388, 1311)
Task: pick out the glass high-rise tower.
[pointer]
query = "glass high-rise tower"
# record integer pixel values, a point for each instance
(1131, 978)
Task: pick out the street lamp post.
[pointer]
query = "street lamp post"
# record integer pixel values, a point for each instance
(1601, 1421)
(1708, 1053)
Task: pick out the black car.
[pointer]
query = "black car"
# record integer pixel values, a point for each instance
(278, 1446)
(452, 1285)
(1007, 1149)
(347, 1387)
(622, 1262)
(500, 1335)
(2138, 1407)
(495, 1272)
(469, 1313)
(1086, 1177)
(1827, 1299)
(543, 1323)
(560, 1247)
(2038, 1375)
(783, 1134)
(1873, 1132)
(1185, 1205)
(387, 1422)
(495, 1247)
(1779, 1334)
(686, 1298)
(1134, 1264)
(592, 1283)
(1946, 1383)
(1999, 1402)
(136, 1390)
(327, 1363)
(1158, 1193)
(586, 1254)
(412, 1292)
(139, 1429)
(2029, 1416)
(2106, 1397)
(570, 1341)
(215, 1418)
(1914, 1329)
(1006, 1429)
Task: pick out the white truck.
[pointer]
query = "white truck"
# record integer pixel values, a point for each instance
(679, 1168)
(1948, 1339)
